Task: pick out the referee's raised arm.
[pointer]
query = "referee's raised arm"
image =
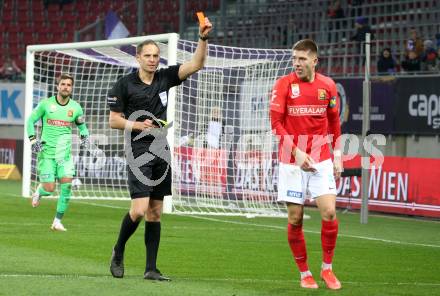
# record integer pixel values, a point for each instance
(198, 59)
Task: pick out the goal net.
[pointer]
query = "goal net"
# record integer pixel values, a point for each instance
(225, 156)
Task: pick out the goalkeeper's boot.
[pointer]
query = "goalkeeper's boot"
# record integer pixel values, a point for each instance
(308, 282)
(155, 275)
(330, 279)
(57, 226)
(117, 265)
(36, 197)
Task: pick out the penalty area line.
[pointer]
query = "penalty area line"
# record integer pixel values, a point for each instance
(54, 276)
(281, 228)
(318, 232)
(216, 279)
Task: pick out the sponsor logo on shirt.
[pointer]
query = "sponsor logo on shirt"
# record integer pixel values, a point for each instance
(322, 94)
(70, 113)
(295, 90)
(305, 110)
(291, 193)
(57, 122)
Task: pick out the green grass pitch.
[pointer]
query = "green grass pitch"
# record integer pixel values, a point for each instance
(207, 255)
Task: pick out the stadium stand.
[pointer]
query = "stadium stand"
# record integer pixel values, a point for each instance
(245, 23)
(277, 24)
(27, 22)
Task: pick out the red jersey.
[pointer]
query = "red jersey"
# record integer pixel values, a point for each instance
(307, 113)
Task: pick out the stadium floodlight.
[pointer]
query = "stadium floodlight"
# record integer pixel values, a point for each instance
(224, 154)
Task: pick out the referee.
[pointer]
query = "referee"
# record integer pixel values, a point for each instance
(138, 105)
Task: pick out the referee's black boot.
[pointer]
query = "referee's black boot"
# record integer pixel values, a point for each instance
(155, 275)
(117, 265)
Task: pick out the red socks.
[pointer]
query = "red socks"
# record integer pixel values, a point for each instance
(329, 234)
(295, 237)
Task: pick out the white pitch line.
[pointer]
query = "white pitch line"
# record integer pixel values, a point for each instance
(279, 227)
(101, 205)
(216, 279)
(282, 228)
(318, 232)
(351, 213)
(54, 276)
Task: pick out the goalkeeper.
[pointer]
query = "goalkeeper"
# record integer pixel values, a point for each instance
(53, 149)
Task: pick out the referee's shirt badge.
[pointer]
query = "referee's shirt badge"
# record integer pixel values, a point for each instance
(163, 98)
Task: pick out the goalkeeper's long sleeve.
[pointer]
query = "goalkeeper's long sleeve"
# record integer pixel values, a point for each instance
(80, 123)
(83, 131)
(36, 114)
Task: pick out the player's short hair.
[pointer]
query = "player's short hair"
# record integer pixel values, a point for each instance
(64, 76)
(141, 45)
(306, 45)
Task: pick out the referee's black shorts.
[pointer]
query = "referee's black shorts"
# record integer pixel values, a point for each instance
(151, 172)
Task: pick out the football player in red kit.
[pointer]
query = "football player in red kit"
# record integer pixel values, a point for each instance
(304, 113)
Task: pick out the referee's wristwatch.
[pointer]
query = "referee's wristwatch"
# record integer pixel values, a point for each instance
(203, 38)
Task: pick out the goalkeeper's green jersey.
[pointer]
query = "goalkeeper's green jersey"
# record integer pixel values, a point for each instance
(57, 121)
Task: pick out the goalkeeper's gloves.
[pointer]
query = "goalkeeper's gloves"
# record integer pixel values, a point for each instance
(36, 145)
(85, 142)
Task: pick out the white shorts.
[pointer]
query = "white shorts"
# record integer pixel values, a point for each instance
(295, 185)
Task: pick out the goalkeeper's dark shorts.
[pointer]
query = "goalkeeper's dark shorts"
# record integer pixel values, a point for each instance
(152, 179)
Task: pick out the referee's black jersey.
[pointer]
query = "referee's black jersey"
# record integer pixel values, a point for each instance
(130, 94)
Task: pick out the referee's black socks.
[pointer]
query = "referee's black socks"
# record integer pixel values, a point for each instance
(128, 227)
(152, 240)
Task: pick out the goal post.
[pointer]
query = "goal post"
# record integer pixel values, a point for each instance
(224, 155)
(84, 60)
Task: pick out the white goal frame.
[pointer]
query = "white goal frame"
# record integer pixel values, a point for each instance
(224, 154)
(171, 39)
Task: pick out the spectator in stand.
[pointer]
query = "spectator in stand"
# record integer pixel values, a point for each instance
(362, 28)
(10, 70)
(429, 56)
(335, 13)
(414, 43)
(386, 63)
(411, 62)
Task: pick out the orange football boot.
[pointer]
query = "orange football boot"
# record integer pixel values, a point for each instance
(330, 279)
(309, 282)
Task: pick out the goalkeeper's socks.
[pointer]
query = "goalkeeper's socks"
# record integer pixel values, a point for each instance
(63, 200)
(295, 237)
(329, 234)
(152, 240)
(128, 227)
